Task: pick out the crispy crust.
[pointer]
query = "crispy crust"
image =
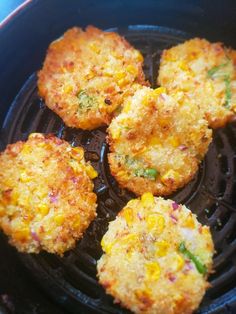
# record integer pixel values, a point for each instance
(142, 267)
(160, 132)
(47, 199)
(103, 65)
(186, 67)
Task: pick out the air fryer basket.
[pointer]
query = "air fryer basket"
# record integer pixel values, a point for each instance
(71, 280)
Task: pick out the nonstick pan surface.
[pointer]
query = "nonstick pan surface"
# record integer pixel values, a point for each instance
(71, 280)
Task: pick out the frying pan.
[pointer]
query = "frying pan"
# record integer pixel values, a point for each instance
(45, 283)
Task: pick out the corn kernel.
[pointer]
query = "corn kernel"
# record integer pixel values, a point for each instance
(32, 135)
(170, 176)
(77, 223)
(144, 294)
(106, 246)
(128, 215)
(43, 209)
(127, 107)
(154, 141)
(77, 152)
(91, 172)
(2, 211)
(26, 148)
(147, 199)
(183, 66)
(132, 203)
(138, 56)
(131, 69)
(189, 222)
(159, 90)
(24, 177)
(120, 75)
(21, 235)
(174, 141)
(122, 82)
(115, 133)
(161, 248)
(153, 271)
(163, 122)
(14, 197)
(177, 262)
(59, 219)
(155, 223)
(94, 47)
(68, 89)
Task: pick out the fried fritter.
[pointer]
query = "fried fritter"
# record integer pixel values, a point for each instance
(46, 199)
(207, 73)
(157, 257)
(157, 142)
(87, 74)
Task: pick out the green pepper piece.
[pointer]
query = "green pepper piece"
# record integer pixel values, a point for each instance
(86, 102)
(200, 267)
(228, 93)
(151, 173)
(215, 69)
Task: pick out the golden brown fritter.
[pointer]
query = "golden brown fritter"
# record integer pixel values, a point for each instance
(157, 142)
(87, 74)
(207, 73)
(157, 257)
(46, 199)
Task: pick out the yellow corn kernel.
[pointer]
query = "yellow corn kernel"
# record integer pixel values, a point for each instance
(122, 82)
(159, 90)
(22, 234)
(94, 47)
(205, 230)
(154, 141)
(174, 141)
(146, 100)
(138, 56)
(147, 199)
(131, 203)
(155, 223)
(106, 246)
(77, 222)
(77, 152)
(24, 177)
(189, 222)
(122, 174)
(32, 135)
(153, 271)
(131, 69)
(127, 106)
(163, 122)
(144, 294)
(91, 172)
(177, 262)
(169, 57)
(115, 133)
(14, 197)
(170, 176)
(183, 66)
(26, 148)
(120, 75)
(68, 89)
(43, 209)
(2, 211)
(59, 219)
(128, 215)
(161, 248)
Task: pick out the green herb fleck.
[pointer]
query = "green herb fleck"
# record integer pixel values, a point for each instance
(86, 102)
(200, 267)
(228, 93)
